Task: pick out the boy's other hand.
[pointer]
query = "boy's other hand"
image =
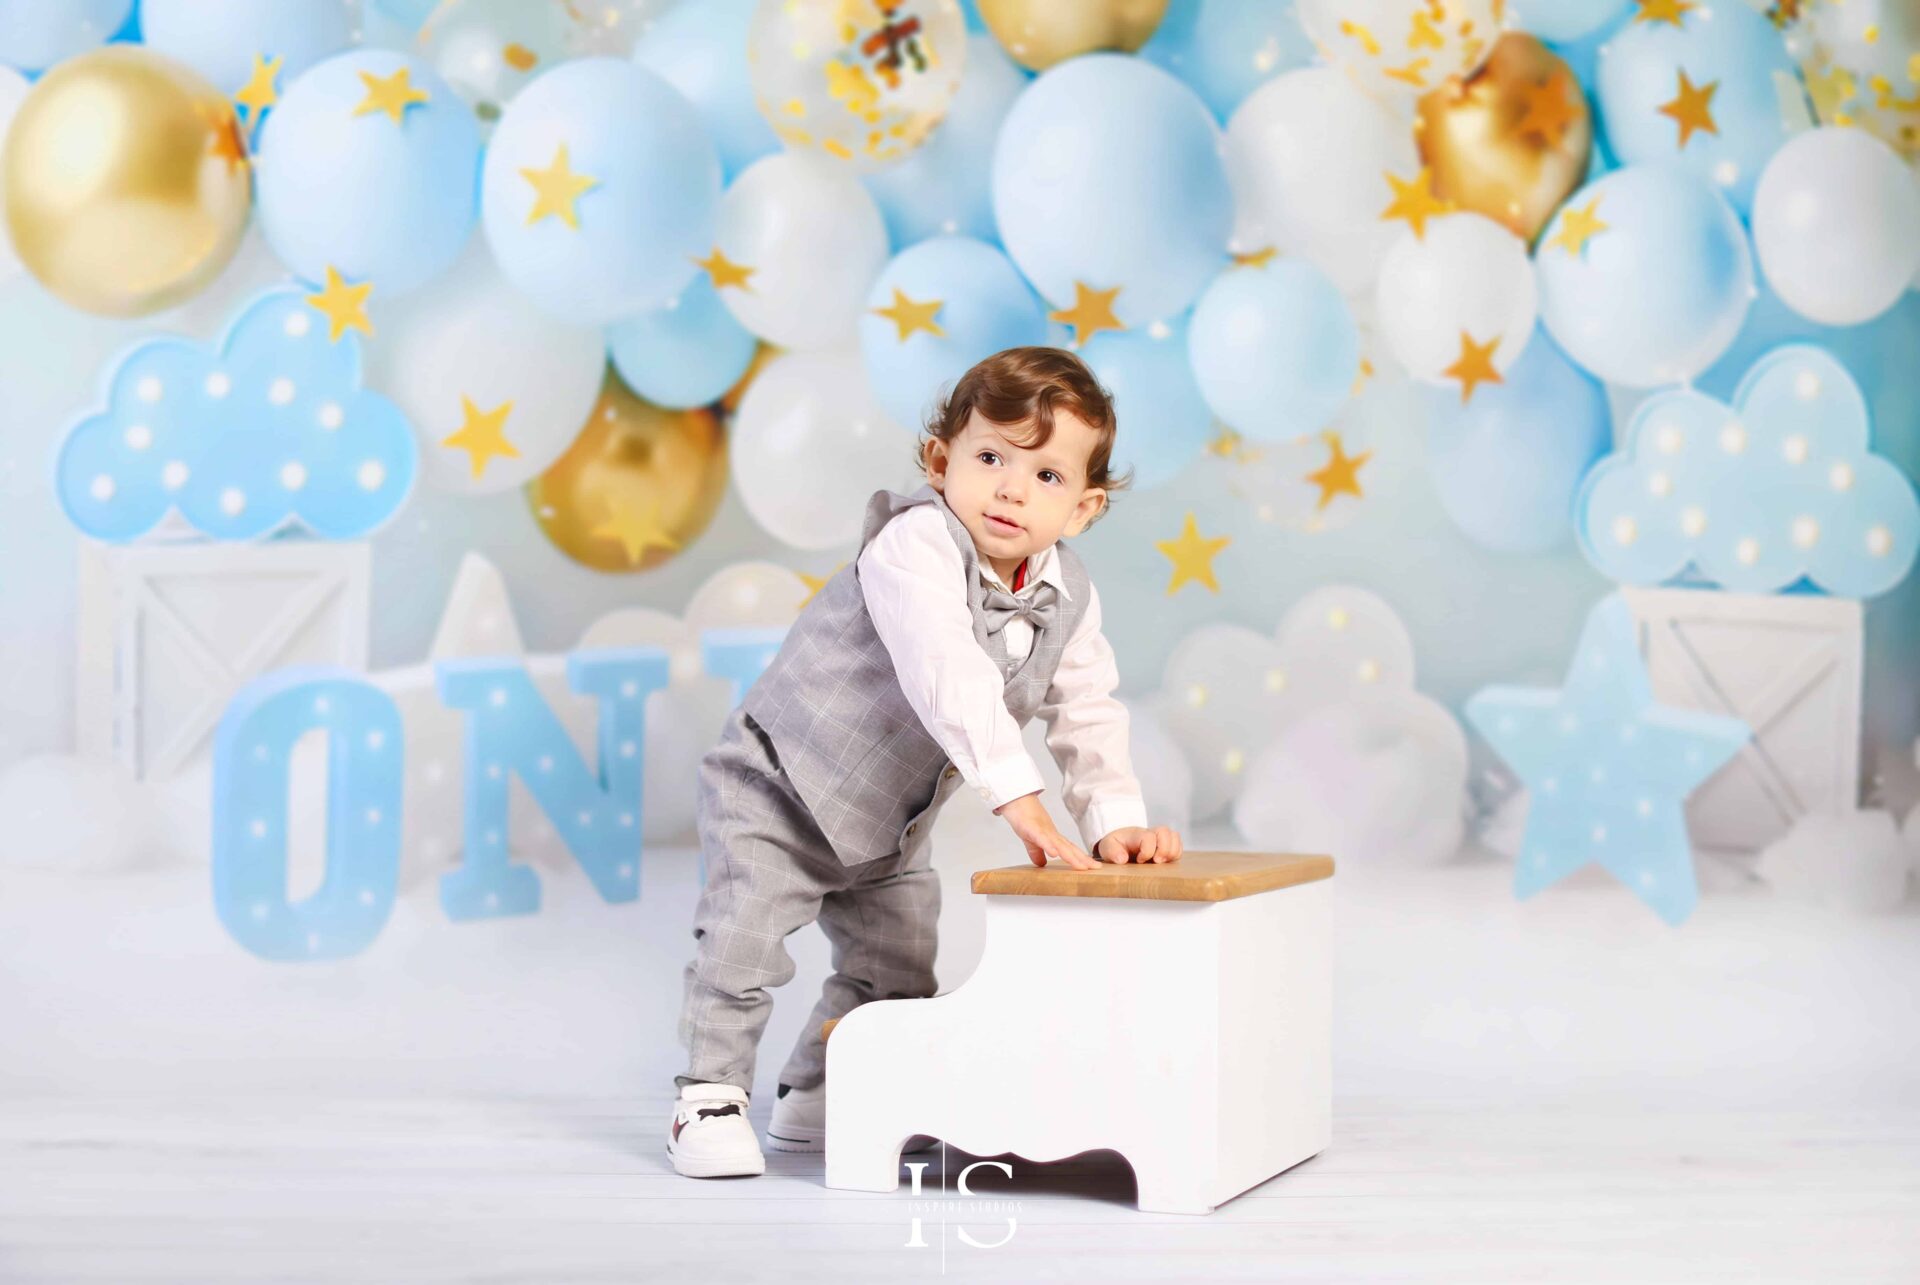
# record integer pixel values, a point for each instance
(1043, 839)
(1140, 845)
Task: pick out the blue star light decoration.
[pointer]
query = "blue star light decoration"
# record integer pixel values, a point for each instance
(1779, 488)
(1608, 770)
(272, 429)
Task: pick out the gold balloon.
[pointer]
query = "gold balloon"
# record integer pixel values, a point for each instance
(637, 486)
(1039, 33)
(126, 181)
(1513, 140)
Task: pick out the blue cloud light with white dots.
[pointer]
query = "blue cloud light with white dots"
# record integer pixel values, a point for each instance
(272, 429)
(1777, 489)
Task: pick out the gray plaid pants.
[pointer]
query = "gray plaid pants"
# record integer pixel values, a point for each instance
(770, 871)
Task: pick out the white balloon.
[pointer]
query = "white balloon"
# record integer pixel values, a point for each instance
(1380, 777)
(1466, 276)
(13, 90)
(1836, 222)
(810, 445)
(473, 342)
(1222, 696)
(1308, 154)
(1338, 640)
(815, 241)
(747, 595)
(1158, 764)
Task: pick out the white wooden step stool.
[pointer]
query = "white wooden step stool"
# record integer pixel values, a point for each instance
(1179, 1014)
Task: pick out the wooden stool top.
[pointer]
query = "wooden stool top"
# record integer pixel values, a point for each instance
(1196, 876)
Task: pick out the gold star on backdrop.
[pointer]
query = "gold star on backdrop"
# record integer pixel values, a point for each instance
(1091, 313)
(725, 272)
(1689, 107)
(1341, 475)
(344, 306)
(636, 528)
(910, 316)
(556, 188)
(1475, 365)
(1414, 201)
(816, 583)
(483, 434)
(1662, 11)
(390, 94)
(262, 90)
(227, 143)
(1577, 227)
(1256, 258)
(1192, 556)
(1549, 113)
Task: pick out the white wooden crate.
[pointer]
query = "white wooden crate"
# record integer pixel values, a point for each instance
(1789, 665)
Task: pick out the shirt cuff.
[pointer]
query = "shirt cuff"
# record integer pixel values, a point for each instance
(1109, 813)
(1007, 779)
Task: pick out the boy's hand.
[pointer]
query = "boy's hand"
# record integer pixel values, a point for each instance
(1141, 845)
(1036, 829)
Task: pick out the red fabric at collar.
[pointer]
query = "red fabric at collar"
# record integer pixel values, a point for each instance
(1020, 575)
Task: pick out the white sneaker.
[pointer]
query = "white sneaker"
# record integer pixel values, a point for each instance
(800, 1122)
(710, 1136)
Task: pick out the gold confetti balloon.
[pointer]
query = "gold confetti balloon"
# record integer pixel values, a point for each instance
(489, 50)
(1039, 33)
(1403, 47)
(862, 81)
(640, 483)
(126, 182)
(1862, 65)
(1513, 140)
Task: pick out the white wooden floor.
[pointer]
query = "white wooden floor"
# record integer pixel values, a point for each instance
(551, 1190)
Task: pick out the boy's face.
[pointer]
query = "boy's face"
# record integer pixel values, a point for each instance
(1041, 492)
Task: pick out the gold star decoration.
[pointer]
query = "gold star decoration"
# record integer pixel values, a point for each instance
(1255, 258)
(1475, 365)
(637, 528)
(390, 94)
(1091, 313)
(1192, 556)
(1341, 474)
(344, 306)
(1577, 227)
(1662, 11)
(910, 316)
(556, 188)
(1548, 113)
(816, 583)
(228, 143)
(725, 272)
(1414, 201)
(1689, 108)
(483, 434)
(262, 90)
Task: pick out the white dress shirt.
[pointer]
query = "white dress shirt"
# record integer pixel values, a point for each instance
(912, 577)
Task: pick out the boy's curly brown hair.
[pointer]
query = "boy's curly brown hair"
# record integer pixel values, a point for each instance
(1024, 385)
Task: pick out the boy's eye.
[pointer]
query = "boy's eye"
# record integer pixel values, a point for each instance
(985, 454)
(1047, 472)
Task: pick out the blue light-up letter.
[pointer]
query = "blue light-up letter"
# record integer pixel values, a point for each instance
(739, 654)
(252, 751)
(510, 729)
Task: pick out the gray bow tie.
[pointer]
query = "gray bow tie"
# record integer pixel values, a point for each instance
(1001, 606)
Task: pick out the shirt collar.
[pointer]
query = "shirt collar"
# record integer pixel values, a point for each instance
(1041, 566)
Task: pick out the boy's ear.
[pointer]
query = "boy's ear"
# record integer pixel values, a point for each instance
(933, 458)
(1090, 506)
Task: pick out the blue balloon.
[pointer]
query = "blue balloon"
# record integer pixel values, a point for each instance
(1164, 423)
(1563, 20)
(1659, 291)
(379, 199)
(1108, 174)
(1274, 349)
(35, 34)
(366, 767)
(1508, 463)
(220, 38)
(1659, 86)
(1226, 49)
(639, 190)
(686, 353)
(945, 186)
(701, 50)
(985, 306)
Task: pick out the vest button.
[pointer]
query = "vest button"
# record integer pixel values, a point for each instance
(950, 773)
(912, 828)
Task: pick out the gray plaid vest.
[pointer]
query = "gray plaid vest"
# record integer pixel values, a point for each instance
(842, 729)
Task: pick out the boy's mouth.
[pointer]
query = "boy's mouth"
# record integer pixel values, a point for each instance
(1001, 525)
